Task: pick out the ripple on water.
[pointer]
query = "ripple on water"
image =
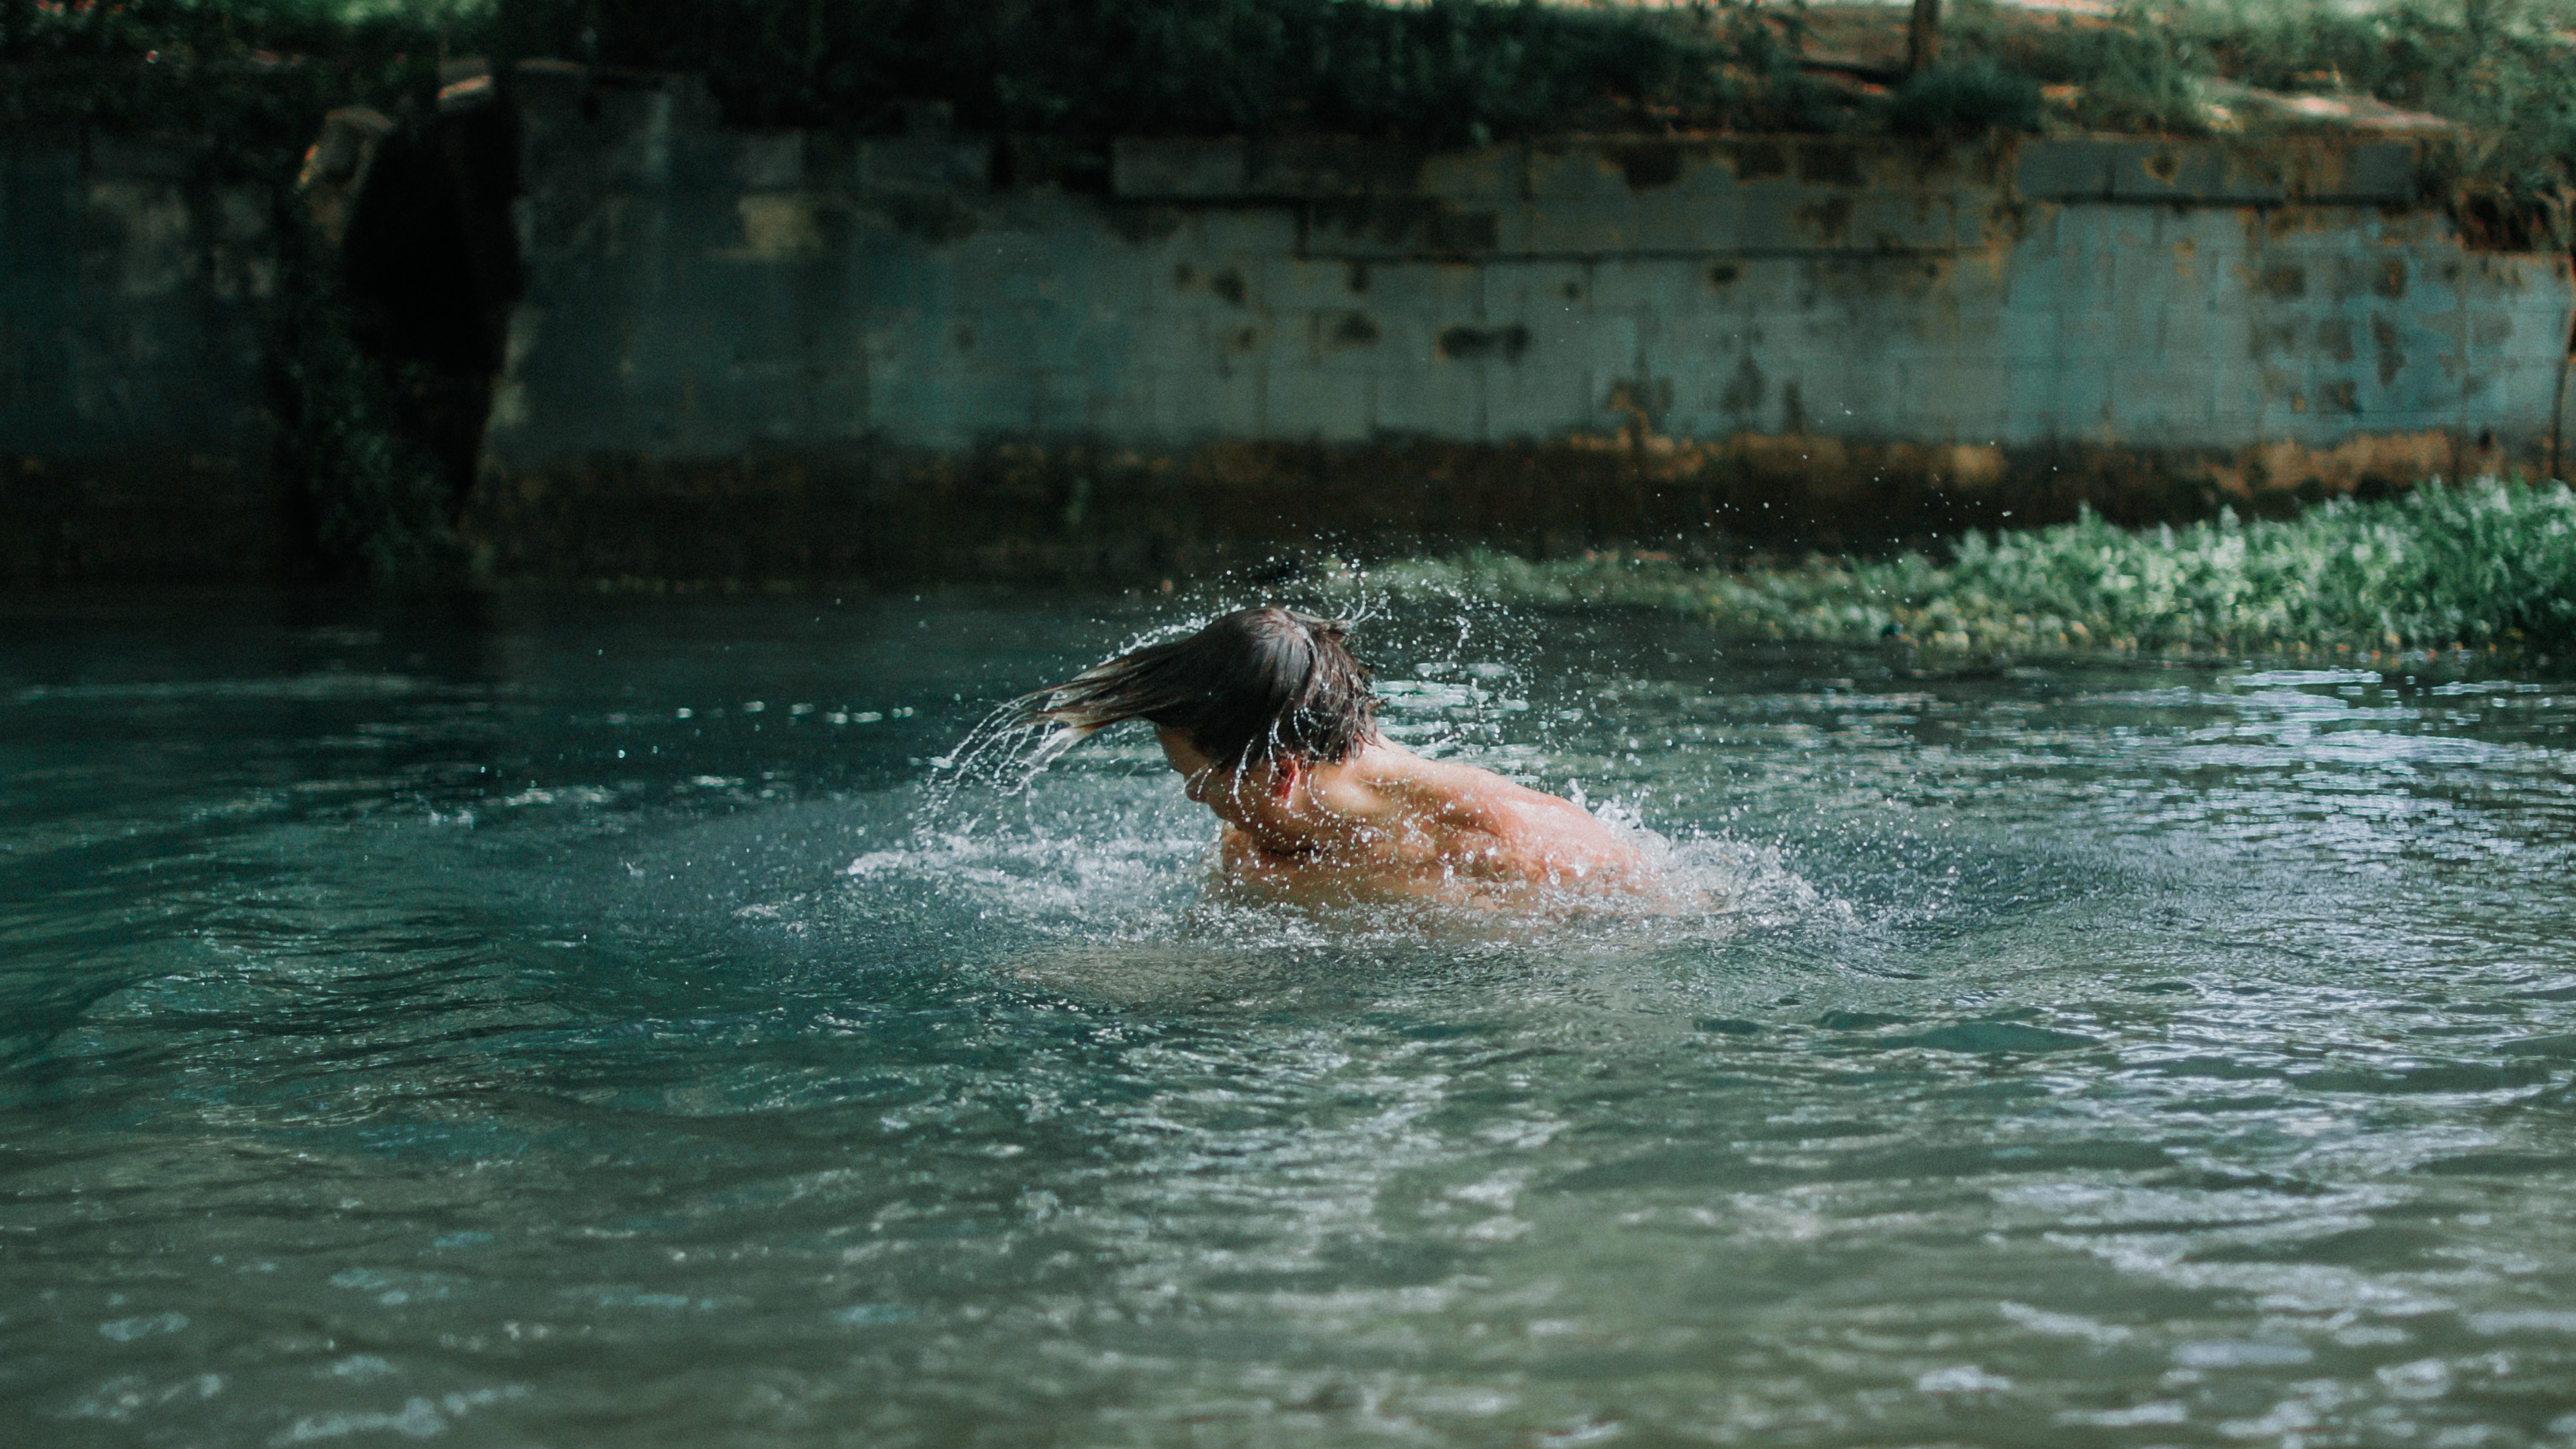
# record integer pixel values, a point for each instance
(554, 1047)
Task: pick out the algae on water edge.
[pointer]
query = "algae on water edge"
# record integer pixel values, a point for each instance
(2484, 563)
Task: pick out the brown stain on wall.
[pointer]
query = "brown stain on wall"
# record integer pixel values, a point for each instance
(1651, 166)
(1457, 344)
(2370, 464)
(1001, 513)
(1826, 220)
(1404, 224)
(895, 516)
(1759, 159)
(1830, 163)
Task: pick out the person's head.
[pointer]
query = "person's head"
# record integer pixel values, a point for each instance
(1267, 691)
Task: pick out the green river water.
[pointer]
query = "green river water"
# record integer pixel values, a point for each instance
(558, 1021)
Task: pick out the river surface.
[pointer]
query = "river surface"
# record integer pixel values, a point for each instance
(569, 1022)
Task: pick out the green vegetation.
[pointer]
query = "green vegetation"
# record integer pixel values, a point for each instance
(1440, 72)
(375, 506)
(1970, 97)
(2145, 74)
(2498, 68)
(250, 77)
(2479, 564)
(1445, 71)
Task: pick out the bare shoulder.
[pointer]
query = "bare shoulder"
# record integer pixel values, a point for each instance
(1521, 831)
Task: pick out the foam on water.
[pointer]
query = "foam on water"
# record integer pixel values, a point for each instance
(1098, 874)
(1072, 852)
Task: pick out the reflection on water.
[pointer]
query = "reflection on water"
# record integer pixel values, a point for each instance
(565, 1026)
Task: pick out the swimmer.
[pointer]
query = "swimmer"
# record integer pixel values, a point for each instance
(1271, 724)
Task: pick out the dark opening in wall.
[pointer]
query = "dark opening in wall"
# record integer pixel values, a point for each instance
(431, 268)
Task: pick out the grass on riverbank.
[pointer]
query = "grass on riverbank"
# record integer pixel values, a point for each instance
(2478, 564)
(1445, 72)
(2496, 68)
(248, 79)
(255, 74)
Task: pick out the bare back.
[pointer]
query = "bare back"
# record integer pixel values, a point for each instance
(1431, 829)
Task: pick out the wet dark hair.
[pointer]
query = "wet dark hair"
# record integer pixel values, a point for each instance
(1256, 684)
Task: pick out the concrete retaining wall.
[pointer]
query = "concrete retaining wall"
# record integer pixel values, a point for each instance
(2253, 319)
(133, 440)
(772, 354)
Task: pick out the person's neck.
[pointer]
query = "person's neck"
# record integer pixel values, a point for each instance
(1342, 805)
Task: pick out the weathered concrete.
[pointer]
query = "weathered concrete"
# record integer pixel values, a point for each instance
(132, 437)
(747, 354)
(2145, 316)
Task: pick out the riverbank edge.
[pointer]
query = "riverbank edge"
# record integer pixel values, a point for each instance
(1034, 513)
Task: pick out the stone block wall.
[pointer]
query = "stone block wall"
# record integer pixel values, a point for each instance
(2259, 316)
(133, 435)
(771, 354)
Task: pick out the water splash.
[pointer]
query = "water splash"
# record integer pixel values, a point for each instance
(1454, 683)
(1005, 751)
(1008, 749)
